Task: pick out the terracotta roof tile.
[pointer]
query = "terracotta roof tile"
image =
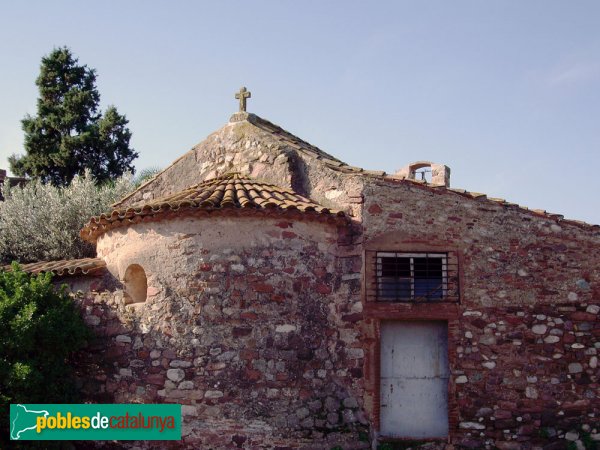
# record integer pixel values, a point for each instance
(65, 267)
(230, 192)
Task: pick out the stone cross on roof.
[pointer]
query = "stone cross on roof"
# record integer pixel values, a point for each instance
(242, 96)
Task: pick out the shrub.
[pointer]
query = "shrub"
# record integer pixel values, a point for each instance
(40, 328)
(41, 222)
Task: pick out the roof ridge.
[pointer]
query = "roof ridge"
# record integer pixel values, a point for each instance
(266, 125)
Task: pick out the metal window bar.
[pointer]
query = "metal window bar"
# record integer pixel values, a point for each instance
(413, 277)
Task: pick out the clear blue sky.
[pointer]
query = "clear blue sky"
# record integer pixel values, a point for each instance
(507, 93)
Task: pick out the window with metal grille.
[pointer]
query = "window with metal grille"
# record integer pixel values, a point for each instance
(412, 277)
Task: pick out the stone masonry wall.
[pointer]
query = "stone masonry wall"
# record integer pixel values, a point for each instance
(248, 324)
(244, 147)
(260, 328)
(526, 333)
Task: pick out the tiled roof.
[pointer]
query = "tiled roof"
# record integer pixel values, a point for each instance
(65, 267)
(225, 193)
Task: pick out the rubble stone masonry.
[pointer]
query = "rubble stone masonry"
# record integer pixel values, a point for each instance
(261, 328)
(525, 336)
(247, 325)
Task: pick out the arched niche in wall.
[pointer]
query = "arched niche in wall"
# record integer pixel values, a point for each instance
(136, 284)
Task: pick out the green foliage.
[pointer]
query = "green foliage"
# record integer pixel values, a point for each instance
(363, 436)
(40, 329)
(587, 441)
(68, 134)
(40, 222)
(145, 175)
(385, 446)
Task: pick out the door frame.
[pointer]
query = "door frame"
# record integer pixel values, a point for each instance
(400, 438)
(378, 313)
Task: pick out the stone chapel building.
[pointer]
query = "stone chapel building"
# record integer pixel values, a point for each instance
(289, 300)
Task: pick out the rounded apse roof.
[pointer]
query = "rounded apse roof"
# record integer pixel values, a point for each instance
(233, 194)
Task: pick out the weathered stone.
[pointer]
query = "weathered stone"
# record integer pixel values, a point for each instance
(175, 374)
(489, 364)
(487, 339)
(575, 368)
(156, 379)
(355, 353)
(461, 379)
(471, 426)
(180, 363)
(539, 329)
(582, 284)
(348, 416)
(213, 394)
(593, 309)
(187, 384)
(302, 413)
(188, 410)
(531, 392)
(484, 412)
(572, 436)
(502, 414)
(350, 402)
(331, 404)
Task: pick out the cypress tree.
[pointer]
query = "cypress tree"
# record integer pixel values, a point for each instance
(69, 134)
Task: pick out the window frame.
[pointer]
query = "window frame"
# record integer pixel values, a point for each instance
(413, 275)
(451, 275)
